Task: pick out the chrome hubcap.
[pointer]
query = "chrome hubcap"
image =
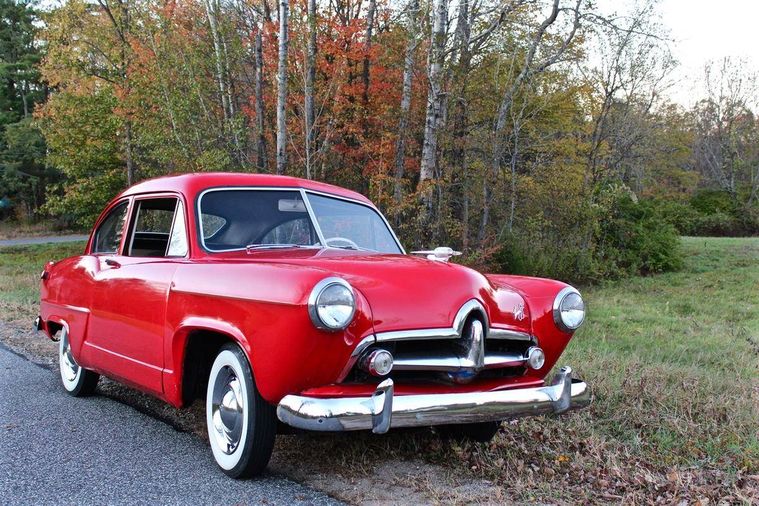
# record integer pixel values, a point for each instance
(69, 367)
(227, 407)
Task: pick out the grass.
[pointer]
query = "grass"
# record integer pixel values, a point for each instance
(12, 229)
(673, 361)
(20, 267)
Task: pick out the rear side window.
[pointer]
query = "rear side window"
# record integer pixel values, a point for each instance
(152, 225)
(108, 235)
(178, 240)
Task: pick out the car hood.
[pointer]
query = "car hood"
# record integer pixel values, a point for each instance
(407, 292)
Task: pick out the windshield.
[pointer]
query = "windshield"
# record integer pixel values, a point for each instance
(350, 225)
(236, 219)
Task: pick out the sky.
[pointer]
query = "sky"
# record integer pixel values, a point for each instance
(706, 30)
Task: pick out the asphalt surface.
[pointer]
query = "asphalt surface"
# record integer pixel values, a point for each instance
(57, 449)
(23, 241)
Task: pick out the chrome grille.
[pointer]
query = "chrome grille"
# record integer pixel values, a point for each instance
(459, 353)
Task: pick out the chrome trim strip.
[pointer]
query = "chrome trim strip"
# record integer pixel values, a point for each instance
(312, 216)
(511, 335)
(454, 363)
(417, 335)
(382, 411)
(357, 351)
(453, 332)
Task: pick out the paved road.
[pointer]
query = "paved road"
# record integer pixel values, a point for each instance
(55, 449)
(23, 241)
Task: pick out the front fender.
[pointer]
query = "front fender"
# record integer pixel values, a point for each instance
(286, 352)
(539, 294)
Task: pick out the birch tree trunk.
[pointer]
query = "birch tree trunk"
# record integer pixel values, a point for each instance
(461, 122)
(434, 92)
(128, 150)
(310, 117)
(282, 89)
(218, 56)
(408, 74)
(369, 31)
(262, 162)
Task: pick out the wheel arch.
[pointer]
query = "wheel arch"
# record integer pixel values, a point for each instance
(194, 347)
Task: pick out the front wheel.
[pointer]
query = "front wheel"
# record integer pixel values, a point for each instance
(77, 381)
(241, 424)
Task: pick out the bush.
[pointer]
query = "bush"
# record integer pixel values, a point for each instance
(709, 213)
(620, 237)
(636, 238)
(709, 201)
(681, 215)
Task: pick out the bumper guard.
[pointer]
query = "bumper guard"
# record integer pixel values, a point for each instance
(382, 411)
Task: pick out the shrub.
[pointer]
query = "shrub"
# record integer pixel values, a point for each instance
(637, 238)
(710, 201)
(708, 213)
(620, 237)
(681, 215)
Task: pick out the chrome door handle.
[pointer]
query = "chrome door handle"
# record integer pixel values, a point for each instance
(112, 263)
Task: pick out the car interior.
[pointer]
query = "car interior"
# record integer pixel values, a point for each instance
(234, 219)
(152, 221)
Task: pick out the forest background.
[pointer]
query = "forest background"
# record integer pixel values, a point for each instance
(535, 135)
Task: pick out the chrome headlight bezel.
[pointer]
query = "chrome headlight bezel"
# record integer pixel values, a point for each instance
(313, 304)
(557, 309)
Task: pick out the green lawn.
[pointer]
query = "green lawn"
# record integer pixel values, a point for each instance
(673, 360)
(20, 267)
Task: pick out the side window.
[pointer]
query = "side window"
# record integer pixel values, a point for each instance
(108, 235)
(151, 227)
(178, 239)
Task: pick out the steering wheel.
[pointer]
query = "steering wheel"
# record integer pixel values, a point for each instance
(343, 239)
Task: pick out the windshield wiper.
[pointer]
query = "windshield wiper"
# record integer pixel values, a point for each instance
(354, 248)
(253, 247)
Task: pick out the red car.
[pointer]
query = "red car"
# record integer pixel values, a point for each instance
(276, 298)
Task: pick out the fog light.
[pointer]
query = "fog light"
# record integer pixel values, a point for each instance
(535, 358)
(377, 363)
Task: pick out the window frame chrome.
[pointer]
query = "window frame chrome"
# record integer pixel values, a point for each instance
(304, 193)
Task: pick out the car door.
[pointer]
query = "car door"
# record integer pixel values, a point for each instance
(131, 291)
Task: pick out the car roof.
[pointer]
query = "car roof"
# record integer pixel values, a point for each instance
(194, 183)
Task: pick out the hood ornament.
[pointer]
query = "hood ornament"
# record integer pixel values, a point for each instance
(440, 254)
(519, 312)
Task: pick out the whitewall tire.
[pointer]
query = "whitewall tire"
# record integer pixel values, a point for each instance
(241, 424)
(77, 381)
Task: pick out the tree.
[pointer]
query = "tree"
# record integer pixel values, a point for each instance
(726, 130)
(405, 102)
(23, 172)
(282, 88)
(436, 60)
(310, 115)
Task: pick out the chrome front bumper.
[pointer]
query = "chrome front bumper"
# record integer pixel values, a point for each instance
(381, 411)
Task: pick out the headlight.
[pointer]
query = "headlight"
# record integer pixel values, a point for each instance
(332, 304)
(568, 310)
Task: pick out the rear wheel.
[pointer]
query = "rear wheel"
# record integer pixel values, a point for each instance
(76, 380)
(480, 432)
(241, 424)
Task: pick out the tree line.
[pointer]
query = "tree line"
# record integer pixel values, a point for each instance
(535, 135)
